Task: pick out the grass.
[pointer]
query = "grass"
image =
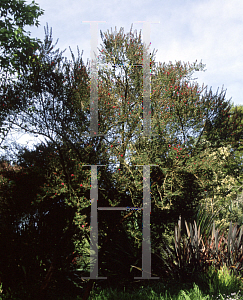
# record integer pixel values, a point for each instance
(148, 293)
(158, 292)
(215, 285)
(161, 293)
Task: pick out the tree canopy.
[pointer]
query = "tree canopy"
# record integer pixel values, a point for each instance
(17, 47)
(17, 55)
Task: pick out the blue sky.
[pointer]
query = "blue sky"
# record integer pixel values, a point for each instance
(207, 31)
(211, 31)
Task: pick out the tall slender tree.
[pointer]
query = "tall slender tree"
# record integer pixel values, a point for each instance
(180, 115)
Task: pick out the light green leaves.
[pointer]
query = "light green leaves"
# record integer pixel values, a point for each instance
(18, 33)
(14, 41)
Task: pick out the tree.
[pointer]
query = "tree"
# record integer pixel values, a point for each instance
(228, 181)
(17, 54)
(181, 182)
(238, 151)
(40, 78)
(34, 232)
(45, 80)
(61, 121)
(17, 247)
(181, 105)
(17, 47)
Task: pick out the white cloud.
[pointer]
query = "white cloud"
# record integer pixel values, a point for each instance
(210, 31)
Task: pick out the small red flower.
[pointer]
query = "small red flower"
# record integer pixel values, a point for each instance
(81, 184)
(72, 174)
(62, 183)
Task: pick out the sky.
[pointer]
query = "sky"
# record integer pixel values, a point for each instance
(210, 32)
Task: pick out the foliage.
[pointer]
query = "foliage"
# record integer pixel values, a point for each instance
(227, 182)
(193, 255)
(35, 233)
(17, 55)
(16, 44)
(220, 281)
(58, 101)
(181, 113)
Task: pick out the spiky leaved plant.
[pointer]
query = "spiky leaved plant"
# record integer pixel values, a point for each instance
(191, 255)
(226, 251)
(186, 256)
